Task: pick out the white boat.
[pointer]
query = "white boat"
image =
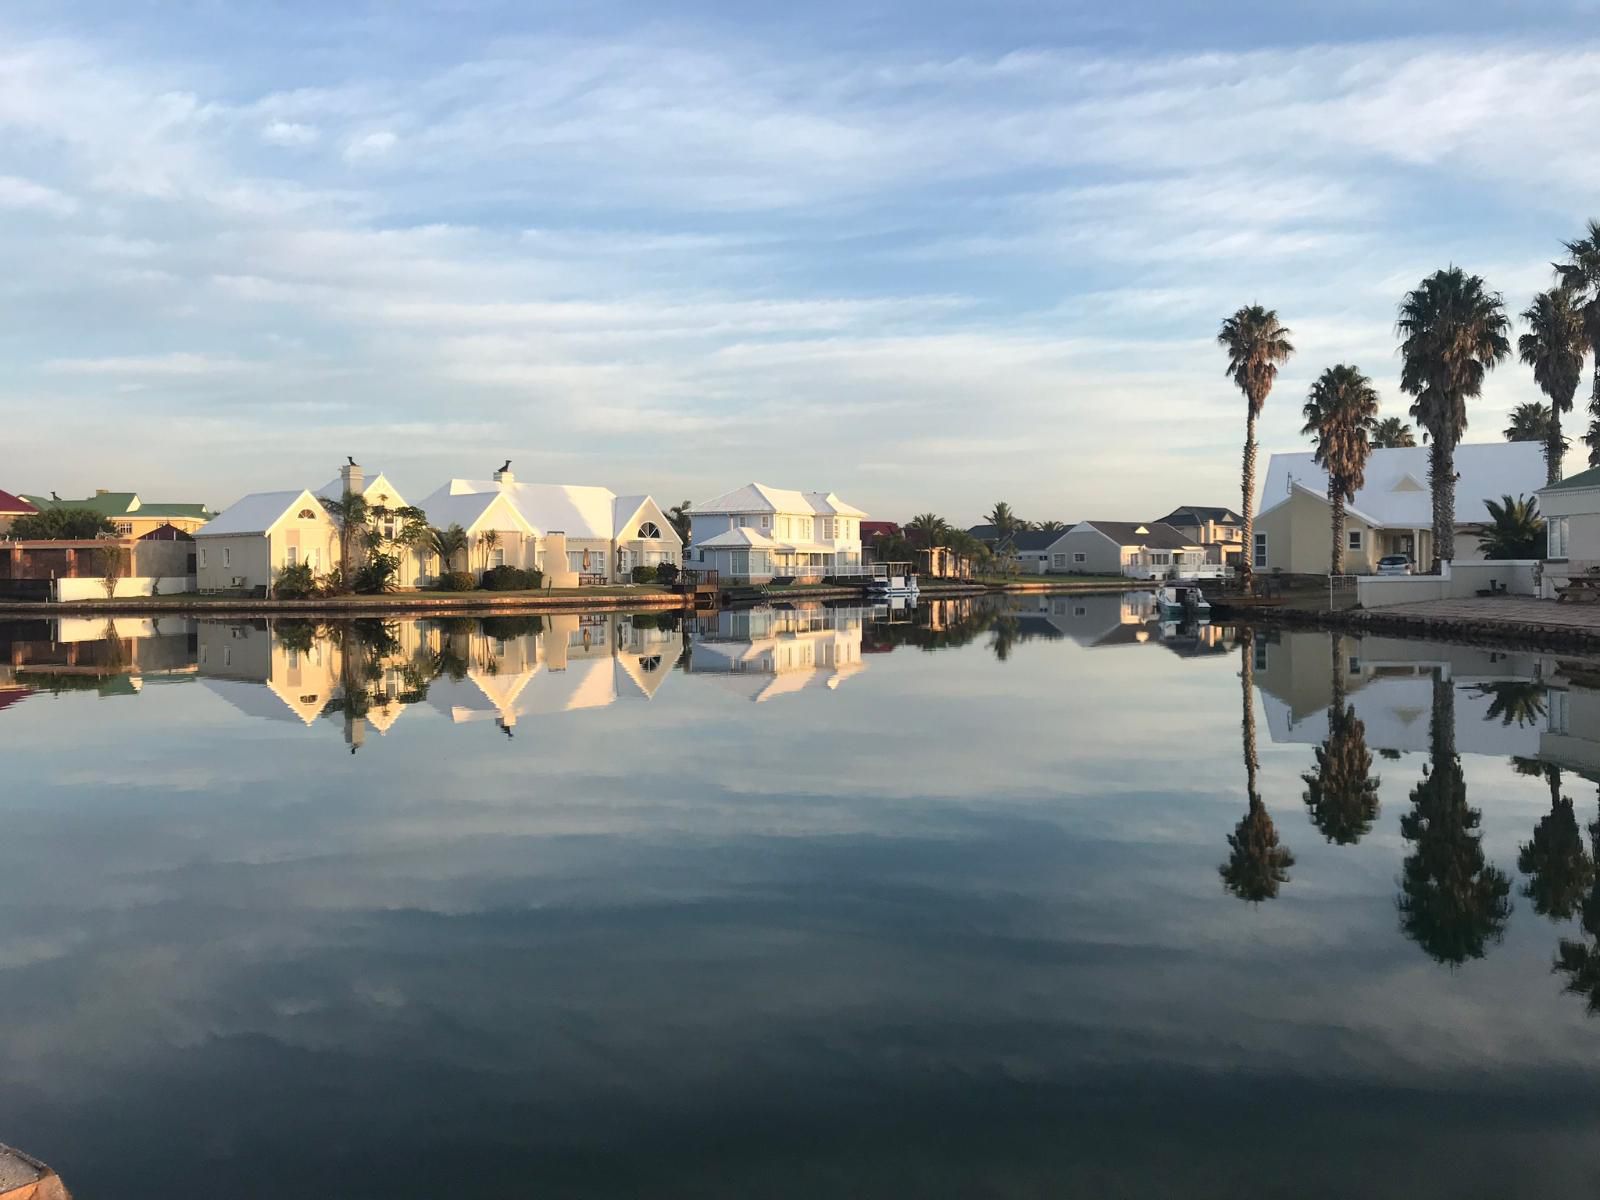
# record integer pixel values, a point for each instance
(1182, 601)
(896, 579)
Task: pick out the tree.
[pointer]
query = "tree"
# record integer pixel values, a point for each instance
(1453, 331)
(1453, 903)
(1580, 275)
(61, 525)
(490, 539)
(681, 520)
(1556, 861)
(448, 544)
(114, 561)
(1050, 526)
(927, 529)
(1392, 433)
(1554, 347)
(1257, 864)
(1342, 794)
(1534, 422)
(1257, 346)
(1516, 529)
(353, 517)
(1341, 408)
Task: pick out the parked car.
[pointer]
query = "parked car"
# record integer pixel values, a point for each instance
(1395, 564)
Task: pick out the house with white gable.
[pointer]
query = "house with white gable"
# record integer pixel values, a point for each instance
(247, 544)
(576, 535)
(1392, 513)
(383, 500)
(758, 533)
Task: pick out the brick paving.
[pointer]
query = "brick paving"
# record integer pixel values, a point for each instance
(1522, 611)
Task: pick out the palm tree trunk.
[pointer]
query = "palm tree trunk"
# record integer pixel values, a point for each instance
(1444, 537)
(1336, 563)
(1247, 561)
(1247, 721)
(1442, 727)
(1553, 448)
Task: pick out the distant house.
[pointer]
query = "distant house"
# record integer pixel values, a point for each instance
(1392, 513)
(1131, 548)
(1219, 530)
(1571, 511)
(758, 533)
(128, 514)
(384, 499)
(244, 547)
(12, 507)
(1033, 550)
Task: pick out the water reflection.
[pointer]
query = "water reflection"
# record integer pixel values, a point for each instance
(795, 901)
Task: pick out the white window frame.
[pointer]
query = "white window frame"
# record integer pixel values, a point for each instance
(227, 556)
(1078, 556)
(1352, 539)
(201, 556)
(1557, 531)
(1260, 556)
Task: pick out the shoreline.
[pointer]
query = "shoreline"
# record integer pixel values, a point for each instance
(424, 604)
(1383, 622)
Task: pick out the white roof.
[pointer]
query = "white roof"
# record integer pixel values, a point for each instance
(759, 498)
(739, 538)
(334, 488)
(446, 508)
(257, 512)
(576, 510)
(1396, 492)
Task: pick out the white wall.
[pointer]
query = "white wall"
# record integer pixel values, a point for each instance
(95, 589)
(1460, 581)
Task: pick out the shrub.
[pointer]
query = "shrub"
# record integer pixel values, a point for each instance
(666, 573)
(297, 582)
(57, 524)
(378, 574)
(511, 579)
(644, 574)
(507, 628)
(457, 581)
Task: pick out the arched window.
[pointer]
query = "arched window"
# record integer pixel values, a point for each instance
(306, 514)
(649, 530)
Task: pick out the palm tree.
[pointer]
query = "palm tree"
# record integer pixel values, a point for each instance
(1342, 794)
(1580, 275)
(489, 538)
(1340, 410)
(1257, 863)
(1257, 345)
(1534, 422)
(1516, 529)
(1050, 526)
(1453, 331)
(1453, 902)
(1392, 433)
(678, 516)
(928, 528)
(1556, 861)
(447, 544)
(1519, 702)
(1554, 347)
(353, 516)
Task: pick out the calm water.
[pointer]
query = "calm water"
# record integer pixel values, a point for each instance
(795, 903)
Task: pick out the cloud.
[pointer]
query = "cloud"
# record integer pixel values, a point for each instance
(290, 133)
(26, 196)
(371, 146)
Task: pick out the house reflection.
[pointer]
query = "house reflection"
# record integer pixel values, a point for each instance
(1504, 701)
(113, 656)
(771, 651)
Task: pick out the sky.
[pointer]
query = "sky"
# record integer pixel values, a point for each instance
(927, 255)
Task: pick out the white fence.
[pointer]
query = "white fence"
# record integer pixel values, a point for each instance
(137, 585)
(1458, 581)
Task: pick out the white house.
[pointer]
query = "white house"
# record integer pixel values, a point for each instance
(758, 533)
(1131, 548)
(1392, 513)
(384, 498)
(1571, 509)
(244, 547)
(581, 535)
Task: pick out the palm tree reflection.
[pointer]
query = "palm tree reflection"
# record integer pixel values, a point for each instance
(1257, 863)
(1556, 862)
(1452, 902)
(1342, 794)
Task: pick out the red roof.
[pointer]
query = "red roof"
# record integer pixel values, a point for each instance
(14, 505)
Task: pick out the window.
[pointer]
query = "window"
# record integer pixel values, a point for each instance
(305, 514)
(202, 558)
(497, 558)
(1355, 665)
(124, 527)
(1059, 560)
(1556, 528)
(766, 522)
(1261, 550)
(1079, 556)
(291, 556)
(1261, 654)
(649, 530)
(1160, 558)
(227, 557)
(1353, 539)
(1080, 610)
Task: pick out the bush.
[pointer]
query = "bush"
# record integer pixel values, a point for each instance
(61, 524)
(378, 574)
(666, 573)
(457, 581)
(511, 579)
(644, 574)
(298, 582)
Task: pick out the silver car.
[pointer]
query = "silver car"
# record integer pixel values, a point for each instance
(1394, 564)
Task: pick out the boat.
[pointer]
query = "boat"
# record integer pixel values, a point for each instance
(1181, 601)
(897, 579)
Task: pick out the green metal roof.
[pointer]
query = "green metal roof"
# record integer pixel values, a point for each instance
(172, 510)
(120, 504)
(1583, 479)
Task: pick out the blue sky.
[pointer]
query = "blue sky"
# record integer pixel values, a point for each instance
(929, 255)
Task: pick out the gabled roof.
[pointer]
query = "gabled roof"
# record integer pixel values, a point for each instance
(1154, 535)
(1572, 483)
(759, 498)
(1396, 493)
(1037, 539)
(16, 506)
(107, 504)
(258, 512)
(474, 511)
(1195, 514)
(334, 488)
(739, 538)
(575, 510)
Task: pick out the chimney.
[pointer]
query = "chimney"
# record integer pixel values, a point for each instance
(353, 478)
(504, 474)
(102, 491)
